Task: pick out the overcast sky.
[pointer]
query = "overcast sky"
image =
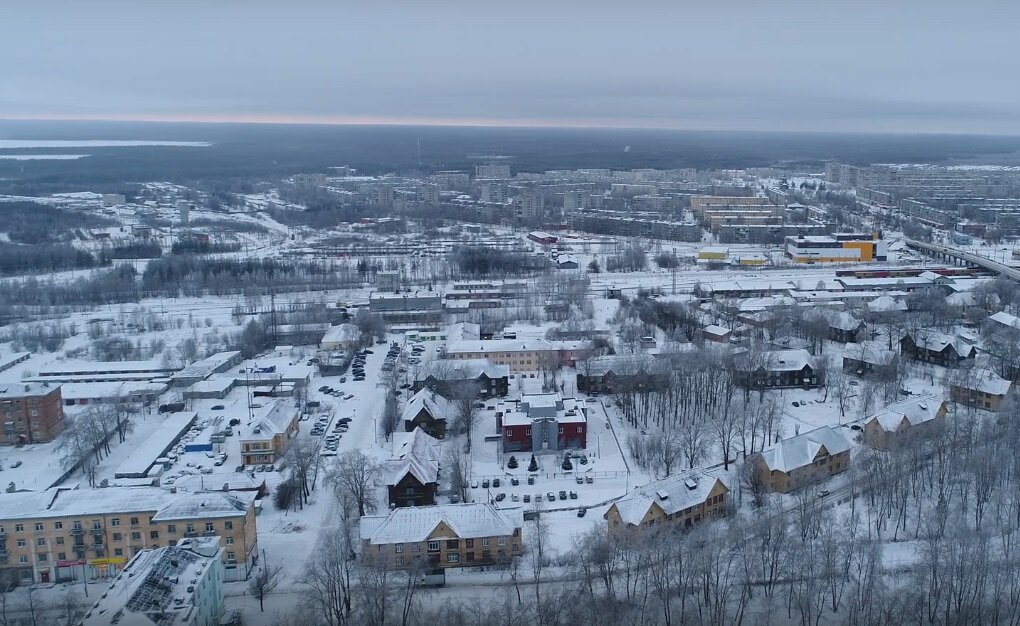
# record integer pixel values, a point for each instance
(898, 65)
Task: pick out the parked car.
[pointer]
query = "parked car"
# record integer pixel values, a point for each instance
(551, 497)
(495, 483)
(515, 481)
(589, 479)
(583, 460)
(573, 495)
(531, 480)
(485, 483)
(582, 512)
(563, 495)
(500, 497)
(217, 407)
(527, 497)
(579, 480)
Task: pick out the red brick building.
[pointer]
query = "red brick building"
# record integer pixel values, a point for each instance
(542, 422)
(30, 413)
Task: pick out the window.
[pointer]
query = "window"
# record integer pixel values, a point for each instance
(230, 556)
(190, 528)
(61, 556)
(60, 541)
(22, 559)
(21, 543)
(208, 527)
(41, 541)
(486, 541)
(469, 543)
(134, 521)
(56, 525)
(118, 552)
(230, 541)
(228, 525)
(19, 528)
(501, 541)
(136, 536)
(400, 561)
(433, 546)
(452, 544)
(116, 536)
(38, 526)
(115, 521)
(97, 525)
(172, 529)
(153, 534)
(42, 557)
(417, 547)
(398, 548)
(453, 557)
(578, 429)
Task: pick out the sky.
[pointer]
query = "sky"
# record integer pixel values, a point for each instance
(786, 65)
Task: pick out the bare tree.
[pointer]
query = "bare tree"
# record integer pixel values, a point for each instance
(329, 574)
(356, 475)
(694, 440)
(301, 457)
(463, 397)
(460, 465)
(264, 581)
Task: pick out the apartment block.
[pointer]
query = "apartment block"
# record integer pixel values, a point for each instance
(66, 534)
(31, 412)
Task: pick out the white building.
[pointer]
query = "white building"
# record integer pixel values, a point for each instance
(178, 585)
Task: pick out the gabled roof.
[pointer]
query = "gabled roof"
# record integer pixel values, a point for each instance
(1006, 319)
(937, 342)
(872, 352)
(415, 453)
(795, 452)
(843, 321)
(915, 411)
(416, 524)
(781, 361)
(886, 304)
(438, 407)
(681, 491)
(624, 365)
(985, 381)
(463, 369)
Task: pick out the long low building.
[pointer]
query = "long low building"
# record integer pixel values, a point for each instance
(64, 534)
(836, 248)
(520, 355)
(449, 535)
(681, 500)
(103, 371)
(142, 459)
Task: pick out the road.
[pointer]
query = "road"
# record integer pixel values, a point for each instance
(976, 259)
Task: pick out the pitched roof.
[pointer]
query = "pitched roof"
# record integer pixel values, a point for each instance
(462, 369)
(937, 342)
(624, 364)
(915, 411)
(872, 352)
(438, 407)
(1006, 319)
(415, 524)
(415, 453)
(795, 452)
(985, 381)
(671, 494)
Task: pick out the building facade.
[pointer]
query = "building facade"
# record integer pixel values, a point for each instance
(31, 413)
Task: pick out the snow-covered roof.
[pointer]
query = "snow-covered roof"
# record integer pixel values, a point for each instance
(18, 389)
(416, 453)
(59, 502)
(110, 390)
(624, 364)
(416, 524)
(843, 321)
(985, 381)
(434, 404)
(782, 361)
(1005, 319)
(144, 456)
(937, 342)
(715, 329)
(500, 345)
(683, 490)
(915, 411)
(872, 352)
(344, 333)
(795, 452)
(462, 369)
(271, 419)
(883, 304)
(463, 331)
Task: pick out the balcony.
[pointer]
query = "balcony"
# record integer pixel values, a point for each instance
(191, 533)
(77, 531)
(209, 533)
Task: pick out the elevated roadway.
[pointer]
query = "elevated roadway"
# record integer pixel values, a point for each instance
(955, 254)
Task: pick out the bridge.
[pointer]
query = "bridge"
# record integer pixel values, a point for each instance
(954, 254)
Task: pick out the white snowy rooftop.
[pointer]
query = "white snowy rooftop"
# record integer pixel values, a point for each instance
(58, 502)
(673, 494)
(796, 452)
(464, 521)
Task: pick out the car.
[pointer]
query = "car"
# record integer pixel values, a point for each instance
(358, 379)
(563, 495)
(349, 396)
(217, 407)
(583, 460)
(454, 499)
(796, 403)
(367, 351)
(538, 497)
(579, 480)
(495, 483)
(531, 480)
(16, 464)
(344, 420)
(573, 495)
(485, 483)
(323, 388)
(500, 497)
(515, 498)
(581, 512)
(589, 479)
(551, 497)
(515, 481)
(260, 468)
(855, 426)
(527, 497)
(589, 399)
(343, 379)
(474, 484)
(271, 468)
(823, 493)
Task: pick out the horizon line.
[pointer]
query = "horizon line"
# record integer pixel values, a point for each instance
(305, 120)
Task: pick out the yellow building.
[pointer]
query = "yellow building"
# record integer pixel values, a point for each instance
(448, 535)
(681, 500)
(803, 460)
(839, 248)
(714, 253)
(65, 534)
(520, 355)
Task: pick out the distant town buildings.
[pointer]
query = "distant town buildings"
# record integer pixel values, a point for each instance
(31, 412)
